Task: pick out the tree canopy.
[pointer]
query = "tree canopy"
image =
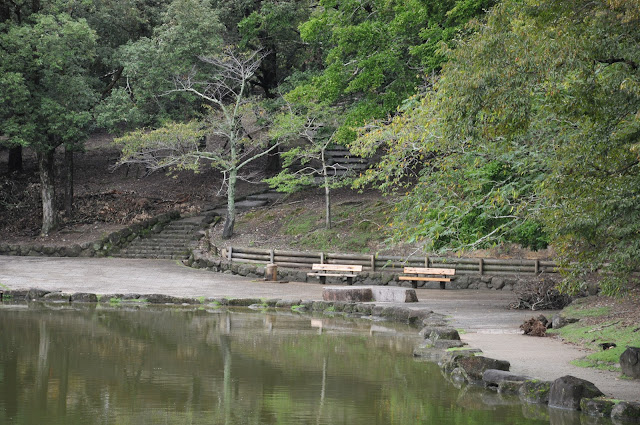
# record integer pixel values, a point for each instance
(376, 53)
(530, 135)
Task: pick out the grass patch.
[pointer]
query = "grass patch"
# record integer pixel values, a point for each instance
(115, 300)
(578, 312)
(3, 286)
(301, 222)
(591, 336)
(355, 226)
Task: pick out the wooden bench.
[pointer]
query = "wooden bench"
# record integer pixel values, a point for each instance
(433, 275)
(321, 271)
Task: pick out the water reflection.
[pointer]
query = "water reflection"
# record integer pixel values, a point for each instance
(128, 365)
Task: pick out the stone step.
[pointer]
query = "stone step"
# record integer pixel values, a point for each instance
(152, 244)
(337, 151)
(157, 249)
(180, 228)
(248, 204)
(169, 236)
(154, 251)
(268, 197)
(172, 234)
(348, 160)
(160, 257)
(151, 254)
(163, 244)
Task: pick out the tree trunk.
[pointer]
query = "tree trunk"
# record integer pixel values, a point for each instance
(327, 193)
(231, 205)
(68, 182)
(47, 183)
(15, 159)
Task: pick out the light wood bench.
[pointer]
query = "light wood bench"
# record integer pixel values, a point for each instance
(321, 271)
(433, 275)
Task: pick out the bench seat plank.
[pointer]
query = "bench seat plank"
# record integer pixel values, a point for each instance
(429, 279)
(337, 267)
(428, 270)
(331, 274)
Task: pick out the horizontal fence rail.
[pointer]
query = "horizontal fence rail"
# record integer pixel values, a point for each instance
(389, 263)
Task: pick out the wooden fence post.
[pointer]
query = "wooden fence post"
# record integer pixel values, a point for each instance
(481, 266)
(373, 263)
(230, 254)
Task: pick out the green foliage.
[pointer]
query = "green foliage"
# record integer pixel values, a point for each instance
(173, 146)
(378, 52)
(118, 112)
(189, 29)
(45, 92)
(529, 135)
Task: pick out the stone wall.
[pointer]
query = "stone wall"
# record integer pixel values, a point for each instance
(103, 247)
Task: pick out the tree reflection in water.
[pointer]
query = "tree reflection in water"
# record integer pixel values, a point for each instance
(64, 364)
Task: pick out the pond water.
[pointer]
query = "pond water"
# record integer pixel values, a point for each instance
(146, 365)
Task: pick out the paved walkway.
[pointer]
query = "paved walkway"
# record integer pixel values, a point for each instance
(489, 325)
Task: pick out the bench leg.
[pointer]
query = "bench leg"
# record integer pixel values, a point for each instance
(414, 283)
(442, 285)
(323, 279)
(349, 281)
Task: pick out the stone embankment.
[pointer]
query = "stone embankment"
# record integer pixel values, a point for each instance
(462, 365)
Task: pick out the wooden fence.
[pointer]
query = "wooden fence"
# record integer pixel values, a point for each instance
(393, 264)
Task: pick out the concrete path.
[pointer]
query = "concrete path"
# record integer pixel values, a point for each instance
(125, 276)
(488, 323)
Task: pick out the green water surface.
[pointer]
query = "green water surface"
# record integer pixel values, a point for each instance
(141, 365)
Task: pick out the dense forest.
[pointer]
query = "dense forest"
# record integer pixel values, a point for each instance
(492, 121)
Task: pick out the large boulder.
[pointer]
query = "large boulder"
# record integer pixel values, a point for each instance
(630, 362)
(474, 367)
(559, 321)
(439, 332)
(598, 407)
(84, 297)
(56, 296)
(449, 360)
(492, 377)
(628, 412)
(535, 391)
(567, 391)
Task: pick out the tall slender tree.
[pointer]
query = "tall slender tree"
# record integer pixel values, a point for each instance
(226, 90)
